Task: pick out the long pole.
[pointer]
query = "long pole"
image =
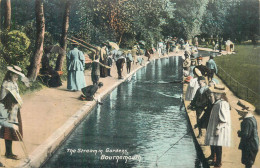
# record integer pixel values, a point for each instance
(81, 45)
(89, 45)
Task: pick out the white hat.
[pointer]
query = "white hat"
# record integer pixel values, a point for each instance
(16, 69)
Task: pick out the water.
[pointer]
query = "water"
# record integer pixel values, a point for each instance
(207, 53)
(139, 119)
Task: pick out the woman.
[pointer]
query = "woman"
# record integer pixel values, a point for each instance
(76, 67)
(193, 86)
(219, 127)
(9, 91)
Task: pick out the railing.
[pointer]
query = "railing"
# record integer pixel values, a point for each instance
(239, 89)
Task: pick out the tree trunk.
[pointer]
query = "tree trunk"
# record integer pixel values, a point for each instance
(7, 22)
(0, 15)
(63, 41)
(40, 26)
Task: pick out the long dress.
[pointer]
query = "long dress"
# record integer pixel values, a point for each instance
(219, 119)
(75, 67)
(192, 89)
(103, 60)
(14, 115)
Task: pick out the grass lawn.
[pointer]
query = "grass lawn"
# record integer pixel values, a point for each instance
(244, 66)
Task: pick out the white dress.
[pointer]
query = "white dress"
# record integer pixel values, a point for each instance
(219, 119)
(192, 89)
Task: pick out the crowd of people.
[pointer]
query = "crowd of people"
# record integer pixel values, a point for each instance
(208, 99)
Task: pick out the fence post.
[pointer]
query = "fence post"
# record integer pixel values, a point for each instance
(247, 93)
(237, 87)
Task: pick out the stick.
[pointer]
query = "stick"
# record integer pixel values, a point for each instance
(82, 45)
(22, 143)
(89, 45)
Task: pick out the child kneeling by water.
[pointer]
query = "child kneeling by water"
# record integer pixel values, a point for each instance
(89, 92)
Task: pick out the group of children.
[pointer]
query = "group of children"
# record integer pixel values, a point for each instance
(208, 98)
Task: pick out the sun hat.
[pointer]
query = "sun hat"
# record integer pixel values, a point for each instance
(16, 96)
(218, 89)
(16, 69)
(244, 106)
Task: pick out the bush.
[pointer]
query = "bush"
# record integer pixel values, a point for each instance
(14, 49)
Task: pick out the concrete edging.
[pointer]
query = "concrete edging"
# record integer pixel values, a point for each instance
(43, 152)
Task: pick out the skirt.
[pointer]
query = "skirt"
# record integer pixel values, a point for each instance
(9, 134)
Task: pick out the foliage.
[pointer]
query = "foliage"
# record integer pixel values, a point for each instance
(246, 61)
(15, 47)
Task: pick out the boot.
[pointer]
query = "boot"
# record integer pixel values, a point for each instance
(8, 148)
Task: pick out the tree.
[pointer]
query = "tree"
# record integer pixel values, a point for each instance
(7, 15)
(0, 14)
(40, 26)
(63, 42)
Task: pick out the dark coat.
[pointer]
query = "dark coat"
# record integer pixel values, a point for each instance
(249, 140)
(248, 134)
(201, 100)
(89, 91)
(203, 69)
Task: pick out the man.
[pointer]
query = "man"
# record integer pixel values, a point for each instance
(212, 66)
(89, 92)
(200, 100)
(249, 137)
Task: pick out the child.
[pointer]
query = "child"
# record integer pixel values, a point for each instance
(249, 138)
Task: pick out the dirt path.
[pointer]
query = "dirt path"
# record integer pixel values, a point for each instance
(231, 157)
(45, 111)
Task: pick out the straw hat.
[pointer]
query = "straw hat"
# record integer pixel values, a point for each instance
(218, 89)
(15, 95)
(16, 69)
(244, 106)
(197, 72)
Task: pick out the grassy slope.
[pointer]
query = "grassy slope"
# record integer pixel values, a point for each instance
(244, 66)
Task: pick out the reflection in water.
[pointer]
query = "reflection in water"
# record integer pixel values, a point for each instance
(140, 117)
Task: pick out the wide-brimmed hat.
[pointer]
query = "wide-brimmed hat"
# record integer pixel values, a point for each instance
(197, 72)
(16, 69)
(16, 96)
(244, 106)
(218, 89)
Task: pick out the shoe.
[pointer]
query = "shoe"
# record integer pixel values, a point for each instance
(199, 136)
(217, 165)
(1, 165)
(12, 156)
(210, 157)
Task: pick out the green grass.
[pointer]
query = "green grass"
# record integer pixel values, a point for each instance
(244, 66)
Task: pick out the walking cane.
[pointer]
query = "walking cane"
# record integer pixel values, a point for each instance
(18, 134)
